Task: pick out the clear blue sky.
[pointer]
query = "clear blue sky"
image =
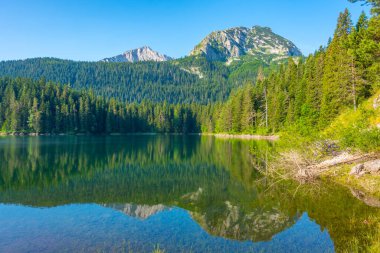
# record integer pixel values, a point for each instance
(95, 29)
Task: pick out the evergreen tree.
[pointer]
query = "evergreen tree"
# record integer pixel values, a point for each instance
(34, 117)
(248, 110)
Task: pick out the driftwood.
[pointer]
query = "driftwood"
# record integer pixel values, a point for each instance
(306, 170)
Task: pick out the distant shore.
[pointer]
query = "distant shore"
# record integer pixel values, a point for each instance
(244, 136)
(221, 136)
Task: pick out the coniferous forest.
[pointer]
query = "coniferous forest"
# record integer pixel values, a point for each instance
(44, 107)
(303, 94)
(131, 82)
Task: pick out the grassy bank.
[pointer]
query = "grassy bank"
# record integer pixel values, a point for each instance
(310, 160)
(368, 183)
(353, 139)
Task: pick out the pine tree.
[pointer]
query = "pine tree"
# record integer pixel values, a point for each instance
(337, 78)
(248, 110)
(236, 104)
(34, 117)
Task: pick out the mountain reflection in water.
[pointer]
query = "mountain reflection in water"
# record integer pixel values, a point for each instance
(183, 193)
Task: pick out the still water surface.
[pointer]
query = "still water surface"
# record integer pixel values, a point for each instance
(175, 193)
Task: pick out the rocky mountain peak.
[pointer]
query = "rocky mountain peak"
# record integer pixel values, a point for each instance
(144, 53)
(240, 41)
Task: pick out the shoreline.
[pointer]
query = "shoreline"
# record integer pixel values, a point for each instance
(357, 171)
(244, 136)
(221, 136)
(367, 183)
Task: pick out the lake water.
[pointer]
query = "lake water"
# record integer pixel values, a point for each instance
(173, 193)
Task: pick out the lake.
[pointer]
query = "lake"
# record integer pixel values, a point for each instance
(166, 193)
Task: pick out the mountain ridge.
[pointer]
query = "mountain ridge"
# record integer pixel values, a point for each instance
(236, 42)
(135, 77)
(257, 42)
(140, 54)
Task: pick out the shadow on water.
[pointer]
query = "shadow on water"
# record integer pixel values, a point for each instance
(197, 194)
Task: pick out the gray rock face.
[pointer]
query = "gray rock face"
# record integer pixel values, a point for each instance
(371, 167)
(140, 54)
(357, 170)
(236, 42)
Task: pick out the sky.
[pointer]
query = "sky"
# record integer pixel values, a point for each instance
(91, 30)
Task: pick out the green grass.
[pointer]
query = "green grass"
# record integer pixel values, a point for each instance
(357, 129)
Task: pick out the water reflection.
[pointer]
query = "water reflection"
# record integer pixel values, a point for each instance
(132, 193)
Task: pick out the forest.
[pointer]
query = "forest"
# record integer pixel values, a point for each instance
(185, 80)
(28, 106)
(303, 95)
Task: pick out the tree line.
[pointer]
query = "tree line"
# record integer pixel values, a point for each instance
(28, 106)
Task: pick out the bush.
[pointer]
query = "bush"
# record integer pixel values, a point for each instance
(363, 139)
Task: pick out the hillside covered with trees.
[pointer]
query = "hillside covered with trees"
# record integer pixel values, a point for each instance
(308, 95)
(187, 80)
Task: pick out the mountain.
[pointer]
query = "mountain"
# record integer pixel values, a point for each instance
(138, 55)
(143, 74)
(259, 42)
